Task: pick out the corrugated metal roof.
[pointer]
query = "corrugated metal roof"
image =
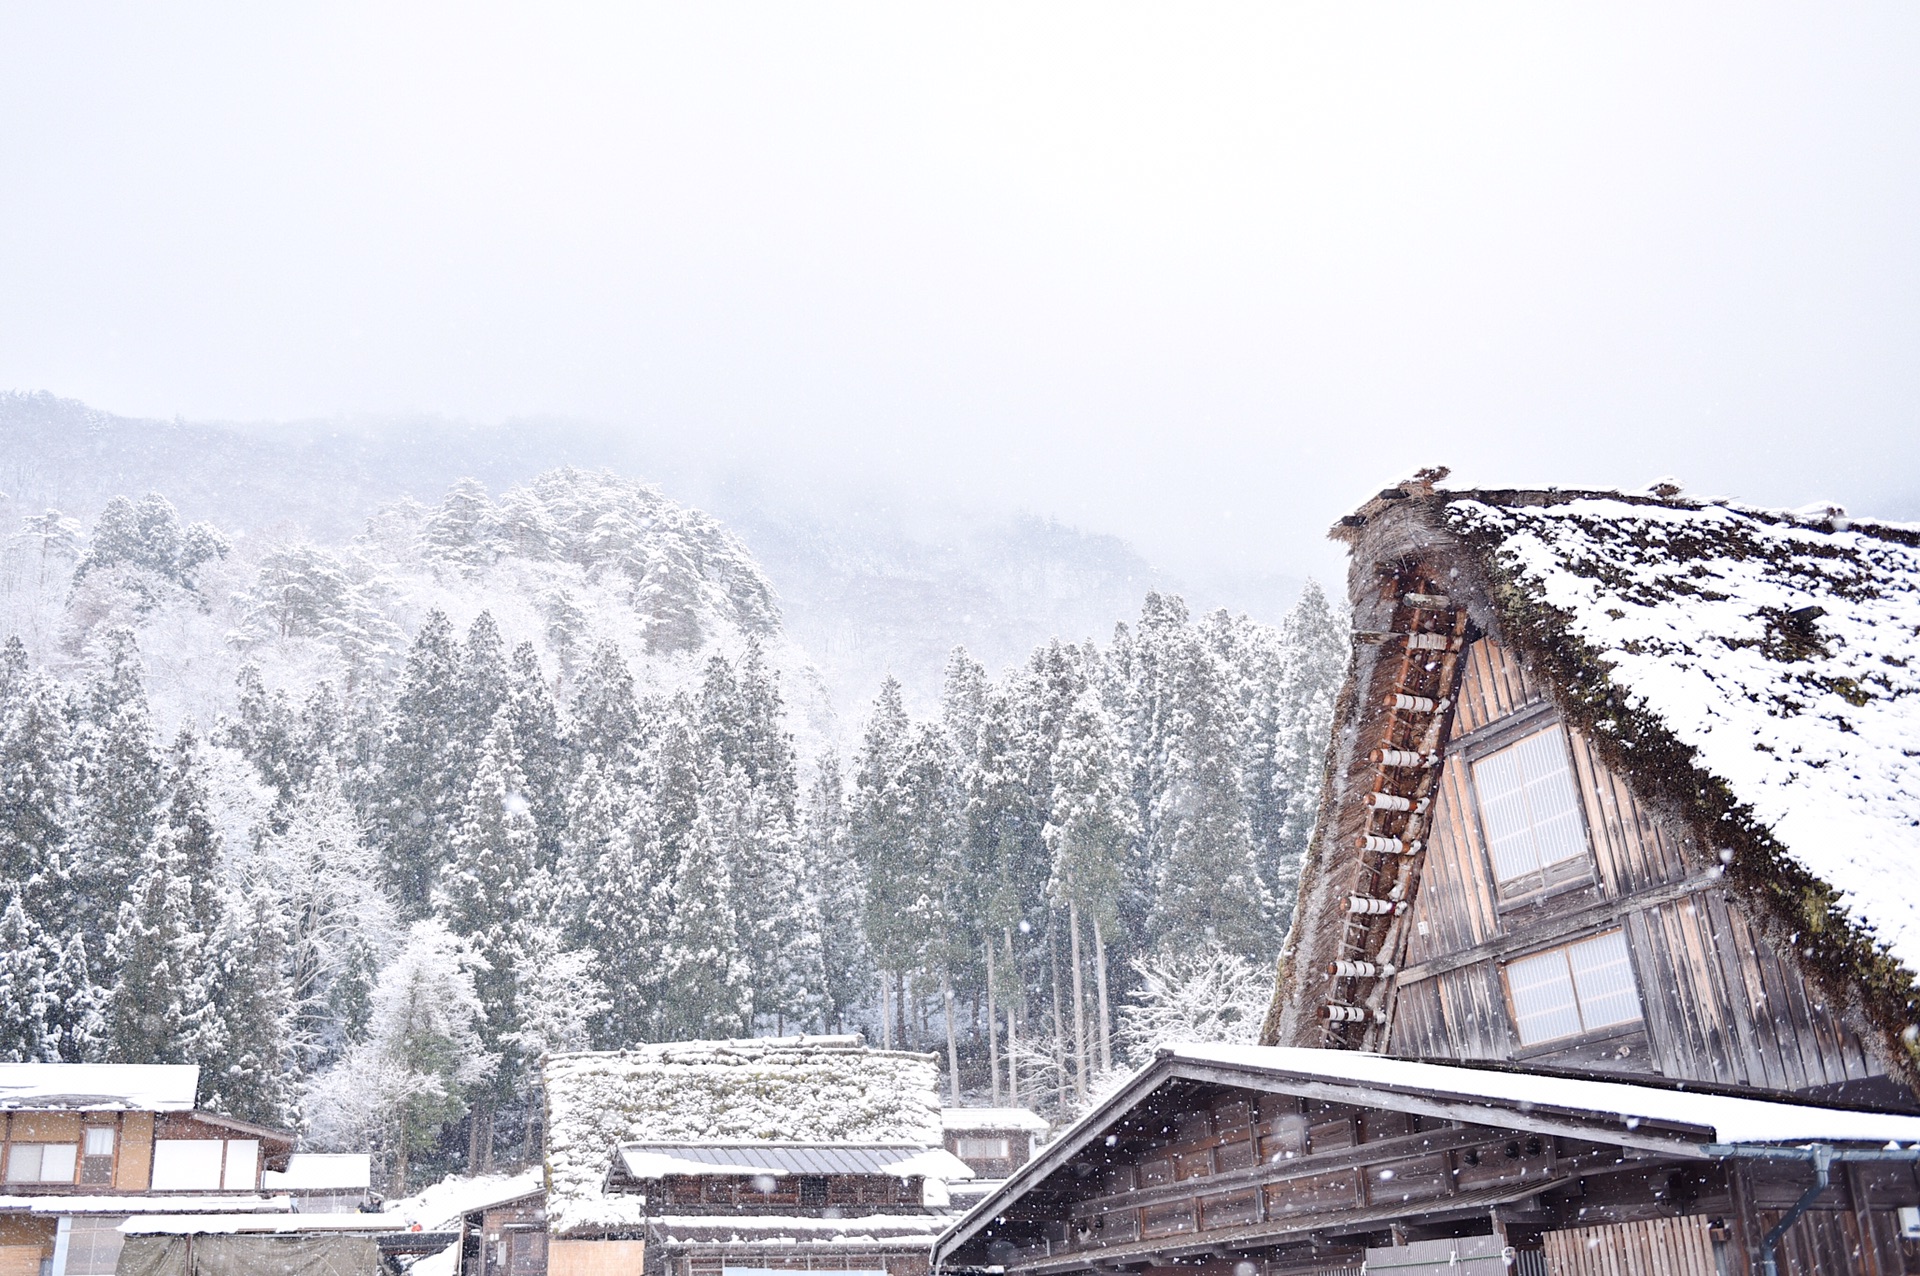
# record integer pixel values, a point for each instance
(652, 1160)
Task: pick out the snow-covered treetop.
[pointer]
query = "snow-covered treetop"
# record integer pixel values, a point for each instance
(98, 1086)
(789, 1089)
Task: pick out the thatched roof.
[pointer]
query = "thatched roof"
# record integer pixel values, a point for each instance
(1755, 672)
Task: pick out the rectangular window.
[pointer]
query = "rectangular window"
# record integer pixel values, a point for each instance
(980, 1149)
(1566, 992)
(1530, 811)
(243, 1165)
(41, 1162)
(96, 1159)
(187, 1165)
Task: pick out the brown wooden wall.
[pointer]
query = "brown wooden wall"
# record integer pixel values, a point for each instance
(1720, 1004)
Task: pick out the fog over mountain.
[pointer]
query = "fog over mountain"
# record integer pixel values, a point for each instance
(867, 582)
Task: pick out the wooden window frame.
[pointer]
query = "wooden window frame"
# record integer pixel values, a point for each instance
(1533, 888)
(1550, 1045)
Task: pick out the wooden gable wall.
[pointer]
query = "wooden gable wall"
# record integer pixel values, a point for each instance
(1719, 1004)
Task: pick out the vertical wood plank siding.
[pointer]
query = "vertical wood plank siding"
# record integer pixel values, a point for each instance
(1720, 1004)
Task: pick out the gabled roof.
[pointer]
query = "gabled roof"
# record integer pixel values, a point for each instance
(788, 1089)
(1755, 672)
(1662, 1119)
(967, 1119)
(752, 1159)
(103, 1087)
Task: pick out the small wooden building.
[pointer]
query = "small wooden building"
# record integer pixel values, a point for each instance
(714, 1209)
(606, 1215)
(1622, 809)
(994, 1142)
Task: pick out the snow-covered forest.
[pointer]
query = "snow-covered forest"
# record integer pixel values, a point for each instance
(366, 828)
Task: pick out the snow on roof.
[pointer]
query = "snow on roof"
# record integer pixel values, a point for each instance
(169, 1204)
(993, 1119)
(135, 1087)
(321, 1172)
(793, 1089)
(749, 1159)
(440, 1206)
(230, 1224)
(1729, 1118)
(777, 1229)
(1784, 649)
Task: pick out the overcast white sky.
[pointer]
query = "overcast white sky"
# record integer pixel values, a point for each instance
(1201, 275)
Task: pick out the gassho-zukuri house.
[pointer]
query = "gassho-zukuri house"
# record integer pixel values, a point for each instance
(1604, 955)
(711, 1157)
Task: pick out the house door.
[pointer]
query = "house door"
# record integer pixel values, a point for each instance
(1458, 1256)
(1655, 1247)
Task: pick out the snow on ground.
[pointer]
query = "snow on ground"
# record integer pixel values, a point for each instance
(1813, 721)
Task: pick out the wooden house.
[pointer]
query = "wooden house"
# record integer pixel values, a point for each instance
(1624, 784)
(1265, 1160)
(727, 1107)
(994, 1142)
(83, 1147)
(759, 1206)
(1619, 832)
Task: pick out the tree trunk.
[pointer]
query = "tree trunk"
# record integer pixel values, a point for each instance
(1100, 979)
(993, 1035)
(886, 1015)
(1013, 1021)
(900, 1009)
(1079, 1002)
(1059, 1022)
(953, 1041)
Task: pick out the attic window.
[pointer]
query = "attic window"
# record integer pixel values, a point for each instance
(1571, 991)
(1530, 813)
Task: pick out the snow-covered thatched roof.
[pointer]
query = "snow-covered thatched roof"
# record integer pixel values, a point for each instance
(1755, 672)
(786, 1089)
(1782, 650)
(129, 1087)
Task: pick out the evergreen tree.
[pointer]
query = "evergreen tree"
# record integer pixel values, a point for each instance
(1207, 886)
(463, 532)
(482, 890)
(704, 967)
(414, 801)
(846, 978)
(537, 732)
(623, 909)
(607, 721)
(337, 918)
(1090, 831)
(25, 1034)
(76, 1008)
(36, 800)
(253, 1073)
(118, 792)
(160, 1009)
